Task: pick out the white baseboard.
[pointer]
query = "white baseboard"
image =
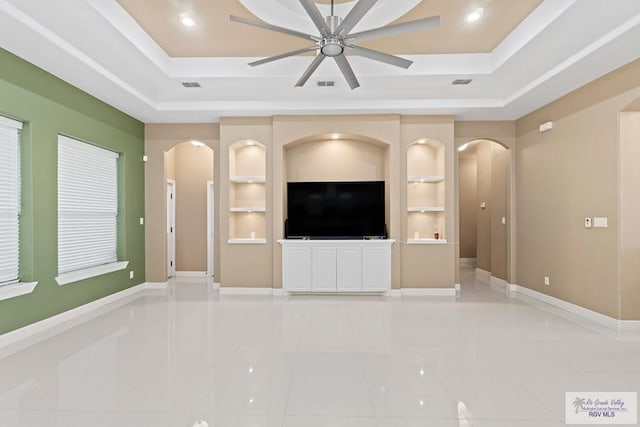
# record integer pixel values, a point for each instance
(42, 326)
(483, 275)
(468, 262)
(498, 284)
(620, 325)
(230, 290)
(202, 274)
(156, 285)
(428, 292)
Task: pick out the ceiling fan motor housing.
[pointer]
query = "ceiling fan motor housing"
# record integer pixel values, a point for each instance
(332, 45)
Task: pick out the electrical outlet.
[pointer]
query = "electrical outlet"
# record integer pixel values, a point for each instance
(547, 281)
(141, 221)
(587, 222)
(131, 274)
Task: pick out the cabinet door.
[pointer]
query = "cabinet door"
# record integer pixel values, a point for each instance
(376, 269)
(323, 270)
(349, 269)
(297, 269)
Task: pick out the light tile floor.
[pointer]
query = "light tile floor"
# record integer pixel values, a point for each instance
(168, 360)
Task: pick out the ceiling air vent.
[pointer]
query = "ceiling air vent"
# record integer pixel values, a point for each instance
(191, 84)
(461, 82)
(326, 83)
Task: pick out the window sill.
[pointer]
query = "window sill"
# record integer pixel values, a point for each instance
(17, 289)
(87, 273)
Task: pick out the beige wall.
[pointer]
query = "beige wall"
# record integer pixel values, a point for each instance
(468, 190)
(499, 209)
(583, 167)
(565, 175)
(193, 168)
(335, 160)
(160, 138)
(246, 265)
(629, 205)
(430, 266)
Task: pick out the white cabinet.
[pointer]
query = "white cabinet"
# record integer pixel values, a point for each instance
(323, 269)
(336, 265)
(375, 268)
(296, 267)
(349, 274)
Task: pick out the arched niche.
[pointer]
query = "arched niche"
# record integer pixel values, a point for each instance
(247, 192)
(426, 192)
(335, 157)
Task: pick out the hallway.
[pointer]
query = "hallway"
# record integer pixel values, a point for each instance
(167, 359)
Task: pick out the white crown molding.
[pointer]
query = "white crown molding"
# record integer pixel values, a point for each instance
(148, 87)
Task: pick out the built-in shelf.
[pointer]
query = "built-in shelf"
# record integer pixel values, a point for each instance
(426, 178)
(425, 209)
(247, 179)
(426, 241)
(425, 192)
(247, 241)
(247, 210)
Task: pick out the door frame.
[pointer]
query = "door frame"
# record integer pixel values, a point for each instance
(210, 228)
(171, 228)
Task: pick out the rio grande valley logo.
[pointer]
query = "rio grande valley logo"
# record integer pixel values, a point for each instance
(601, 408)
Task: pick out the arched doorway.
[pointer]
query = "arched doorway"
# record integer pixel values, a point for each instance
(190, 210)
(484, 208)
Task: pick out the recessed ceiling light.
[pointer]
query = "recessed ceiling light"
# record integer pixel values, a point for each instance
(335, 136)
(187, 21)
(475, 15)
(250, 143)
(197, 143)
(463, 147)
(422, 141)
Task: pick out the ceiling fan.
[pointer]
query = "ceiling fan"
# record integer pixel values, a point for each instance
(336, 38)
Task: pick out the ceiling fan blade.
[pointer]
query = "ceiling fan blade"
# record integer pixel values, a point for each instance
(347, 72)
(273, 28)
(284, 55)
(397, 29)
(310, 70)
(380, 56)
(316, 16)
(354, 16)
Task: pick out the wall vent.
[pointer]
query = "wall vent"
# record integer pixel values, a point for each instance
(191, 84)
(461, 82)
(326, 83)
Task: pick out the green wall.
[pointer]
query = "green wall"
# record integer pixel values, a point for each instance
(48, 106)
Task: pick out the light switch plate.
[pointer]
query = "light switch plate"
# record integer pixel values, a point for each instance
(587, 222)
(601, 222)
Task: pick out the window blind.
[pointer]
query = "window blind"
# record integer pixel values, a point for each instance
(87, 205)
(9, 201)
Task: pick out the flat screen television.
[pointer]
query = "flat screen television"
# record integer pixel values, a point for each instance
(335, 210)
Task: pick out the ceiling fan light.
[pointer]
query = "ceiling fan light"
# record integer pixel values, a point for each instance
(331, 46)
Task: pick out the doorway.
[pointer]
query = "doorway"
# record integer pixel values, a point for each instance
(484, 168)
